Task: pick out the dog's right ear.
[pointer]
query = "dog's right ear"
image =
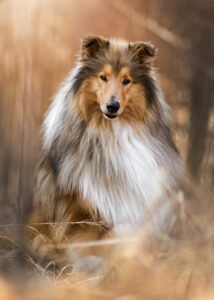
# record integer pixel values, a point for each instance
(92, 45)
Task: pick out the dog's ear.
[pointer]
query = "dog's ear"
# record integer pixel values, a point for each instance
(144, 52)
(92, 45)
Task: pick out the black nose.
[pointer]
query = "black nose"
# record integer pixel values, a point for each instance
(113, 105)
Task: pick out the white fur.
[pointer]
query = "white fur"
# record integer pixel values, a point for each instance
(119, 44)
(131, 183)
(53, 122)
(134, 192)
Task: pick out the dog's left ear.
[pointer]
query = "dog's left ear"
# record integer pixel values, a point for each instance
(92, 45)
(144, 52)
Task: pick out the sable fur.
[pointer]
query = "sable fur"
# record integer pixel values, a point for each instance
(121, 173)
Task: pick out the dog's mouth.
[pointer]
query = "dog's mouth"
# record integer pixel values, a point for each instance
(110, 116)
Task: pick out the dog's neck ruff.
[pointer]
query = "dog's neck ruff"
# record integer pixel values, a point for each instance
(126, 178)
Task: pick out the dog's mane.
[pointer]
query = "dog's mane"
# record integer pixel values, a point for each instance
(91, 159)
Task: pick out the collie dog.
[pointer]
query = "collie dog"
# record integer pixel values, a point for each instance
(108, 163)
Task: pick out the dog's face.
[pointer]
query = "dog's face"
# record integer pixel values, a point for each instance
(113, 81)
(113, 90)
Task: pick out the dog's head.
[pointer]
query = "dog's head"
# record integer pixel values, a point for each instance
(114, 78)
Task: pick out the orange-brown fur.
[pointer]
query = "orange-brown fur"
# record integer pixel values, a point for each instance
(95, 93)
(73, 222)
(62, 216)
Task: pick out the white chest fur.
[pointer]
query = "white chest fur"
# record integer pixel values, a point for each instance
(128, 180)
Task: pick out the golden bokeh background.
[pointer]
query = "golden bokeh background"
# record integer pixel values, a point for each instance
(39, 41)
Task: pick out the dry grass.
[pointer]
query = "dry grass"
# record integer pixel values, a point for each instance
(155, 266)
(38, 43)
(133, 272)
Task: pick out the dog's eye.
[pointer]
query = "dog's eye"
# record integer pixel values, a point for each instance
(104, 78)
(125, 81)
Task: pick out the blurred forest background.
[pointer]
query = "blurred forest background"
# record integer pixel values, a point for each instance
(39, 41)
